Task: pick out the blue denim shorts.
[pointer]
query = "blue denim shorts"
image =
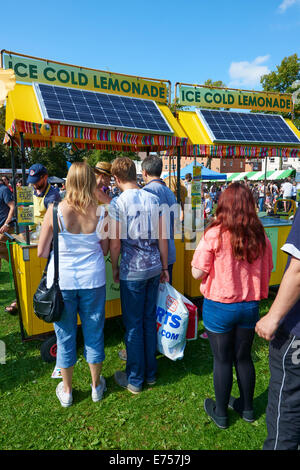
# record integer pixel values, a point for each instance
(90, 305)
(221, 318)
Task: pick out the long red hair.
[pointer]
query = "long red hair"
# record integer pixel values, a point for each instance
(236, 213)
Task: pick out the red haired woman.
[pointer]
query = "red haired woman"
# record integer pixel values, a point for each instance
(234, 262)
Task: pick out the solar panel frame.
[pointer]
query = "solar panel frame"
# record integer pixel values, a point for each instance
(247, 130)
(76, 107)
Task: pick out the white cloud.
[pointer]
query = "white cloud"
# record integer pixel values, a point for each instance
(285, 4)
(247, 74)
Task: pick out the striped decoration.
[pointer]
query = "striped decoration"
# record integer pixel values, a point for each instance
(106, 139)
(236, 151)
(90, 135)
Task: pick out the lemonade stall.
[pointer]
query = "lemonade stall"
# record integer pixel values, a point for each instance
(86, 109)
(214, 131)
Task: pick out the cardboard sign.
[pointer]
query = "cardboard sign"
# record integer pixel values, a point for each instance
(24, 195)
(25, 215)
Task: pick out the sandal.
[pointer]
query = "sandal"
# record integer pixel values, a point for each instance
(12, 308)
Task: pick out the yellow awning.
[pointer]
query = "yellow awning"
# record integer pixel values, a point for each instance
(197, 135)
(23, 115)
(22, 105)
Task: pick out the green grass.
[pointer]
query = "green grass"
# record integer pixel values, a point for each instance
(168, 416)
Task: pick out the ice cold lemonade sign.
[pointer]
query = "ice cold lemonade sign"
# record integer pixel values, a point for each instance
(52, 73)
(226, 98)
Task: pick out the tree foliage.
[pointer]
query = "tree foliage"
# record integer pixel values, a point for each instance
(94, 156)
(284, 80)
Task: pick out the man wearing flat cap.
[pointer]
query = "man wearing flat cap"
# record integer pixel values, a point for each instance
(103, 176)
(44, 194)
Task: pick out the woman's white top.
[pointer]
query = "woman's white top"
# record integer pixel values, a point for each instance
(81, 260)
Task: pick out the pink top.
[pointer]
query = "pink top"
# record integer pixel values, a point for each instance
(230, 280)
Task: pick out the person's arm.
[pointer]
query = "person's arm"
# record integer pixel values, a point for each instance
(102, 197)
(198, 273)
(288, 294)
(104, 232)
(10, 215)
(163, 249)
(46, 234)
(115, 248)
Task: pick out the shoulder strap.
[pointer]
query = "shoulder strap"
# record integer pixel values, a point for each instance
(55, 242)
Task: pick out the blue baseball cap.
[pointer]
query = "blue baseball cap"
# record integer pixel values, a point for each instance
(36, 171)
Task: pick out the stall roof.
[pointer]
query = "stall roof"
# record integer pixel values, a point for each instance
(23, 115)
(200, 144)
(260, 175)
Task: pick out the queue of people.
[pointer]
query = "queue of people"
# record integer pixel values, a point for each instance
(233, 261)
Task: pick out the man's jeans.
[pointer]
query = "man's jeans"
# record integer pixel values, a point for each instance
(261, 204)
(138, 301)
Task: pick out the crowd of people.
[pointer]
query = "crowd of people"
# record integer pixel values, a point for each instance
(233, 261)
(265, 194)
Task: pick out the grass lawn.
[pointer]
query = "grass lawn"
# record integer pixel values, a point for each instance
(168, 416)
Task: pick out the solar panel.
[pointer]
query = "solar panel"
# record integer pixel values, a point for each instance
(232, 127)
(94, 109)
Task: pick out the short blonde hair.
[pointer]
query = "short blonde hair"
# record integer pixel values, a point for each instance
(81, 187)
(124, 169)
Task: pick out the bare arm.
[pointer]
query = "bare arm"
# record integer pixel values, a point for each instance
(5, 227)
(46, 234)
(115, 248)
(105, 235)
(288, 294)
(198, 273)
(163, 248)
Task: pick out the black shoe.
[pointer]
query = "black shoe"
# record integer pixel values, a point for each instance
(246, 415)
(210, 409)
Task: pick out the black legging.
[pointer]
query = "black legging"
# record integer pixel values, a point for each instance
(233, 348)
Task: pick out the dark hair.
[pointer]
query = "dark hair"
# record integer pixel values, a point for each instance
(152, 165)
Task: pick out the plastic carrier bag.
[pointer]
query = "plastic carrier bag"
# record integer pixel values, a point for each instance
(192, 329)
(172, 319)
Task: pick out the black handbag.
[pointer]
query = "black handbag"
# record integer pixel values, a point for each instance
(48, 304)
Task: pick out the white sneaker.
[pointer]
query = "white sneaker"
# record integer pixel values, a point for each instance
(97, 393)
(65, 399)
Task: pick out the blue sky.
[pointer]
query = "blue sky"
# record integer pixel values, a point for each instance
(189, 41)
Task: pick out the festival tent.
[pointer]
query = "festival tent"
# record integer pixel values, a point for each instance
(55, 180)
(206, 173)
(260, 175)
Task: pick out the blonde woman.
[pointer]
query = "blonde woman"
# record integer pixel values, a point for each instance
(82, 246)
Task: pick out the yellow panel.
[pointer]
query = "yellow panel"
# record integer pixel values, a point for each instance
(276, 276)
(293, 127)
(22, 105)
(174, 123)
(178, 268)
(194, 129)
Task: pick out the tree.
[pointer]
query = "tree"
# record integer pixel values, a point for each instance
(53, 158)
(94, 156)
(284, 80)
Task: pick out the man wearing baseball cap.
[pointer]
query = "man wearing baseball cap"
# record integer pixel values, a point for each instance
(103, 176)
(44, 194)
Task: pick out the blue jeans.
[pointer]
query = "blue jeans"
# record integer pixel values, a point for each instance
(90, 305)
(261, 204)
(138, 301)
